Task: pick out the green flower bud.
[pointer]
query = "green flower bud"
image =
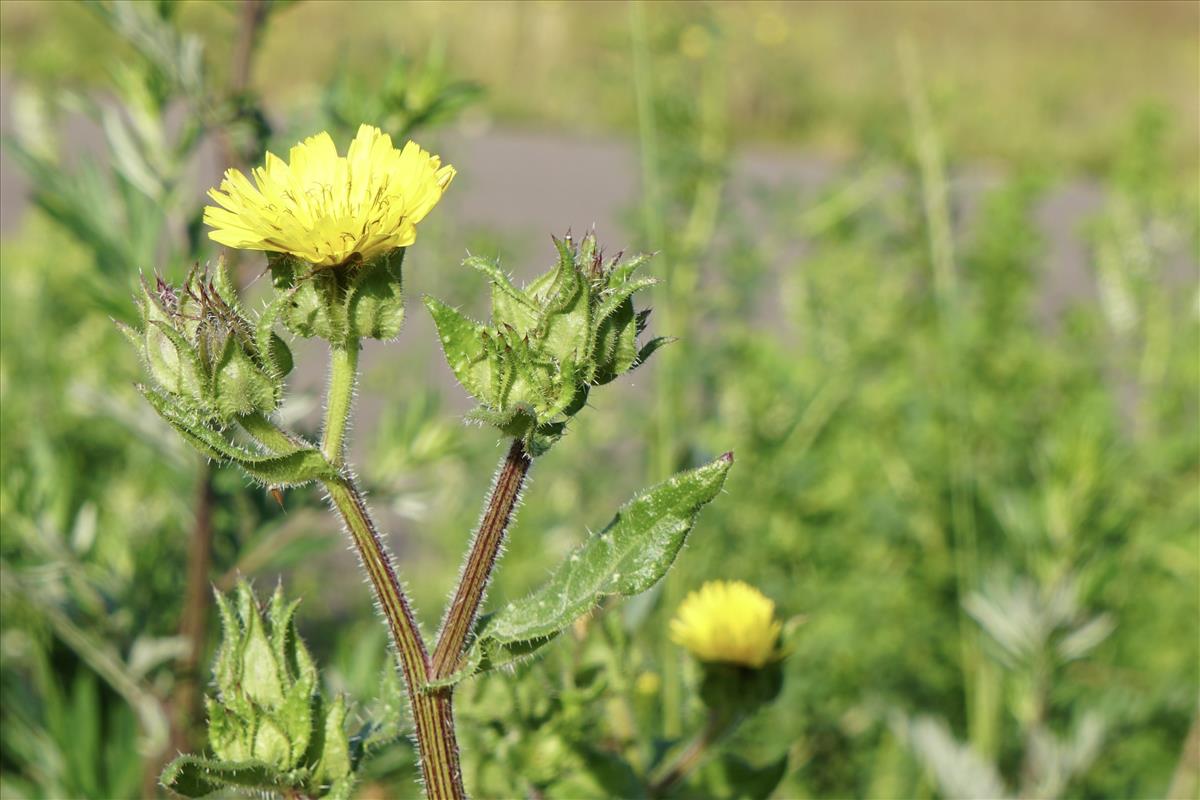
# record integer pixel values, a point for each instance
(268, 714)
(265, 679)
(355, 300)
(548, 343)
(201, 350)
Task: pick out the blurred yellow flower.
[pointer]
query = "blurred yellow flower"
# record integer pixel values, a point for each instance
(325, 208)
(728, 621)
(694, 42)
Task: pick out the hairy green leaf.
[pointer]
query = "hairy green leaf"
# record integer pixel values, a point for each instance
(290, 469)
(630, 555)
(193, 776)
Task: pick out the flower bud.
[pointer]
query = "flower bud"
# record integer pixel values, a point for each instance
(356, 300)
(201, 350)
(268, 709)
(548, 343)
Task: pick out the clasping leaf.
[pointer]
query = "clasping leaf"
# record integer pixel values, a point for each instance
(631, 554)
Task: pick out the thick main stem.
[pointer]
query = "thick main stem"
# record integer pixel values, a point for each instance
(432, 712)
(477, 571)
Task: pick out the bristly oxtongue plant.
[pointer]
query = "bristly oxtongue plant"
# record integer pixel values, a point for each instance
(336, 229)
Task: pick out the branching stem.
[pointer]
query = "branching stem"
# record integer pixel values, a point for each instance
(477, 571)
(433, 713)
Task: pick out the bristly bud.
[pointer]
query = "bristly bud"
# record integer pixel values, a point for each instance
(357, 300)
(268, 720)
(202, 351)
(548, 343)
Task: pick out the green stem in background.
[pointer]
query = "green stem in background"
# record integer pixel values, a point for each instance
(652, 213)
(343, 369)
(681, 265)
(477, 571)
(981, 682)
(193, 625)
(716, 728)
(662, 434)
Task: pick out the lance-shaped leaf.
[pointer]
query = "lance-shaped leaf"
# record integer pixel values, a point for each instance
(631, 554)
(509, 304)
(291, 469)
(464, 347)
(194, 776)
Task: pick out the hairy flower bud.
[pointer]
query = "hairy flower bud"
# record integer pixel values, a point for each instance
(548, 343)
(201, 350)
(356, 300)
(268, 727)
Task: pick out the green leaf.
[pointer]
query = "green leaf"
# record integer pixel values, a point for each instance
(271, 349)
(271, 741)
(620, 293)
(193, 776)
(225, 285)
(630, 555)
(651, 347)
(375, 300)
(291, 469)
(261, 676)
(311, 306)
(509, 304)
(241, 386)
(227, 734)
(173, 362)
(331, 746)
(462, 343)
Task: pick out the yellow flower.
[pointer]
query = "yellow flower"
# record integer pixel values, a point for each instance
(728, 621)
(325, 208)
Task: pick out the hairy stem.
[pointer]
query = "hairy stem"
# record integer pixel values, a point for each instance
(477, 571)
(433, 713)
(343, 366)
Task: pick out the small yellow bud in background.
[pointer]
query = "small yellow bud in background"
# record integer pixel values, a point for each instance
(695, 42)
(729, 622)
(648, 683)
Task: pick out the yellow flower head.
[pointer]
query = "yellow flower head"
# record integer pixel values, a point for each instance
(325, 208)
(728, 621)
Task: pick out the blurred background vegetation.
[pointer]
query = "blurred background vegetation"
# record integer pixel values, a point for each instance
(934, 272)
